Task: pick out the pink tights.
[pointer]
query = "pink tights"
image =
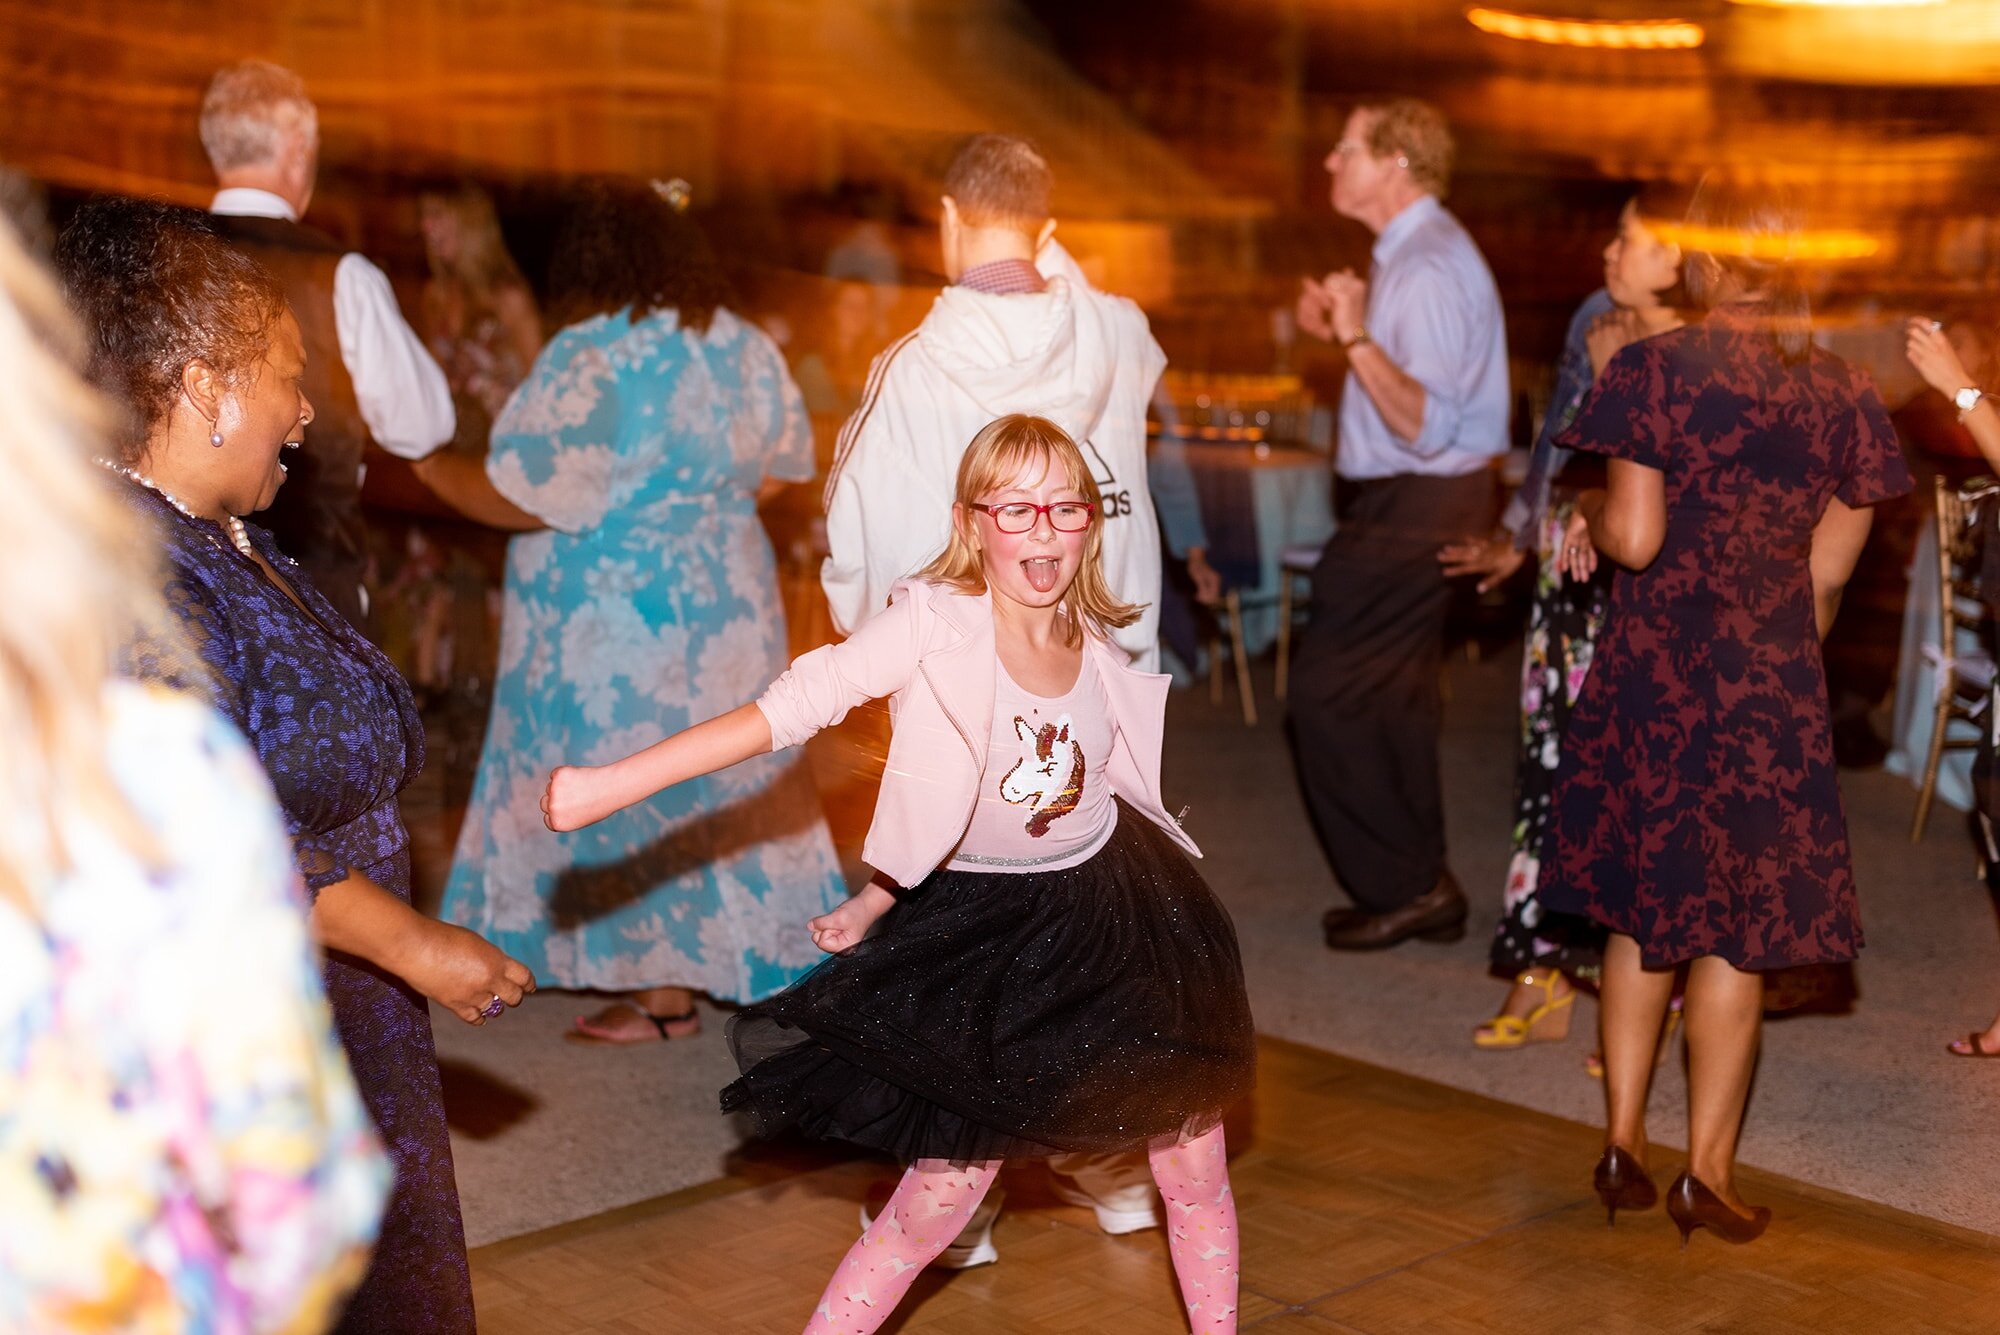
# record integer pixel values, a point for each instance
(933, 1201)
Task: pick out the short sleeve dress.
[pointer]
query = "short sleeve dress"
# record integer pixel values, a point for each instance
(334, 726)
(1696, 808)
(650, 603)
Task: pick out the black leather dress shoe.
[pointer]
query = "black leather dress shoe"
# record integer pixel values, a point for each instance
(1436, 915)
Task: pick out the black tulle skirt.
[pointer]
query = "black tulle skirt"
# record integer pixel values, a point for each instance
(1014, 1015)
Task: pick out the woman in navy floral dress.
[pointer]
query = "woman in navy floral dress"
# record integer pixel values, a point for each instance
(198, 343)
(1697, 814)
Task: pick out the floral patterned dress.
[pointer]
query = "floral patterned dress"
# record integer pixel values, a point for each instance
(181, 1144)
(1563, 622)
(1697, 809)
(650, 603)
(337, 732)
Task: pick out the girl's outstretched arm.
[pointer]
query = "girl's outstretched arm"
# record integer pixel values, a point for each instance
(579, 795)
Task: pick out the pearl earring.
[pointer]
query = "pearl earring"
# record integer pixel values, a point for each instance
(215, 439)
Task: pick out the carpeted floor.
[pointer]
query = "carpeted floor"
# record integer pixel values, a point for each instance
(1864, 1102)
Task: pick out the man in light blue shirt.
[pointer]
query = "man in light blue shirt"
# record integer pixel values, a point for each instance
(1422, 418)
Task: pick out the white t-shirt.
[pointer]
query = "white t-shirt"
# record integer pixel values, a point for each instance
(1045, 803)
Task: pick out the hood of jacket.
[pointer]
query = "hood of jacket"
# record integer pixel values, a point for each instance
(1050, 353)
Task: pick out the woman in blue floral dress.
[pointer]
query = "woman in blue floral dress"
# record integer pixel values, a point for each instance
(641, 598)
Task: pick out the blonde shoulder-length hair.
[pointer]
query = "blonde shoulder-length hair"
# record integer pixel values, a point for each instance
(75, 588)
(1006, 450)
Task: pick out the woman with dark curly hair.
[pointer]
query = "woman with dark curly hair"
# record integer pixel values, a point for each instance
(195, 339)
(641, 595)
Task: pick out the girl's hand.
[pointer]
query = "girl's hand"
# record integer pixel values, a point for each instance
(1493, 559)
(1577, 557)
(464, 971)
(1931, 352)
(574, 798)
(845, 926)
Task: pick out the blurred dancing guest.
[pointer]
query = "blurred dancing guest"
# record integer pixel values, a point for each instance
(367, 372)
(1422, 416)
(196, 341)
(641, 594)
(1544, 953)
(1697, 811)
(199, 1165)
(1938, 352)
(1018, 331)
(480, 319)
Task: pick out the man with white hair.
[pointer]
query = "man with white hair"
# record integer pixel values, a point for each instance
(367, 374)
(1423, 416)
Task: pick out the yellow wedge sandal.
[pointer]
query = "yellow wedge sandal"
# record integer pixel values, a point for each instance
(1547, 1022)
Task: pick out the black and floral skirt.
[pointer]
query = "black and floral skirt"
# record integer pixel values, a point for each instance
(1562, 632)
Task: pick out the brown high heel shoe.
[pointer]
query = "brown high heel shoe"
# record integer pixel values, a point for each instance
(1694, 1206)
(1622, 1184)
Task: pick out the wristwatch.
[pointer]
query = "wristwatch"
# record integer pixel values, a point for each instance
(1360, 336)
(1967, 399)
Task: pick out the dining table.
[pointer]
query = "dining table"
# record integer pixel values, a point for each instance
(1258, 499)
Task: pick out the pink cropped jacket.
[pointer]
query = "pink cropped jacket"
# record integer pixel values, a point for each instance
(931, 651)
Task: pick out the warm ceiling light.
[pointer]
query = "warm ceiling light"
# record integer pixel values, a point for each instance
(1639, 35)
(1838, 4)
(1794, 247)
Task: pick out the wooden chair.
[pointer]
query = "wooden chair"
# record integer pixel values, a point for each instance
(1229, 625)
(1294, 564)
(1964, 678)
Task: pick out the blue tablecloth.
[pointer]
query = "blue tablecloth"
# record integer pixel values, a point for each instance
(1255, 502)
(1916, 685)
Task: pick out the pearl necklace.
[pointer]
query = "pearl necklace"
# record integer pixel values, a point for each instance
(230, 523)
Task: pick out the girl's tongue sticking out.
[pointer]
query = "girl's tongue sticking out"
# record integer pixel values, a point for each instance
(1042, 572)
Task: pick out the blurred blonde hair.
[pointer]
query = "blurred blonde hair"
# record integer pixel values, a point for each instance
(73, 587)
(483, 267)
(1006, 450)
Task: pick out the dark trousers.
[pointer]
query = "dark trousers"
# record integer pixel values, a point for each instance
(1365, 707)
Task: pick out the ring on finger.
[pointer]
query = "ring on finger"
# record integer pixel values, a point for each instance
(494, 1008)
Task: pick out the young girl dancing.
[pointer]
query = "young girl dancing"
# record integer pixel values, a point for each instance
(1055, 976)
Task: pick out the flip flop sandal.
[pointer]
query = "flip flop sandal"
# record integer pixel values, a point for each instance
(579, 1034)
(1973, 1047)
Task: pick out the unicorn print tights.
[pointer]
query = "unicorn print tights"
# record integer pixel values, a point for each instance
(934, 1199)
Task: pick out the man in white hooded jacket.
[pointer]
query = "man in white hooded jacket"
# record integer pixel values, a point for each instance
(1019, 331)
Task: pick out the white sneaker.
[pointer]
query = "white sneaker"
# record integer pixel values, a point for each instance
(1129, 1210)
(974, 1246)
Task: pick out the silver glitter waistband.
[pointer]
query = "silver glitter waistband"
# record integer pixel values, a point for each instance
(1095, 846)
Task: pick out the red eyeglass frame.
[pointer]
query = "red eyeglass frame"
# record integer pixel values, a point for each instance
(1090, 511)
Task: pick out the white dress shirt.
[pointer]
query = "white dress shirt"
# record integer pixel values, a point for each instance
(401, 390)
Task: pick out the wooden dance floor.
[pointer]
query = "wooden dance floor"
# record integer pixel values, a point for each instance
(1369, 1202)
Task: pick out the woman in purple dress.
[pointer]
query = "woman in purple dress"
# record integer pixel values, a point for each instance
(1697, 815)
(197, 342)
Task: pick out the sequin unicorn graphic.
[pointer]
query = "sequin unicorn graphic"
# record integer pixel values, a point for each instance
(1048, 778)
